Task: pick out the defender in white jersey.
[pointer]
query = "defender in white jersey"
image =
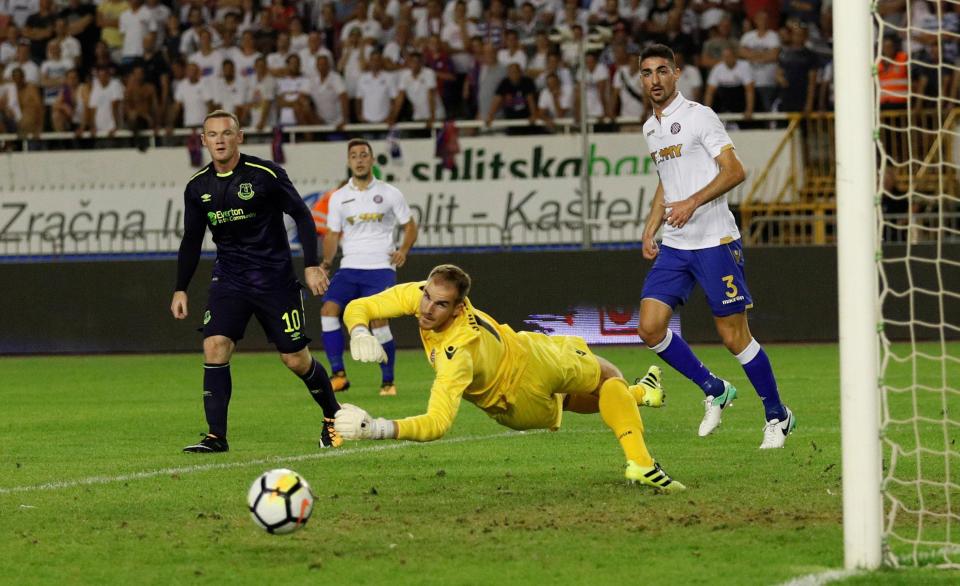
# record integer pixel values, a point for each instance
(361, 219)
(698, 165)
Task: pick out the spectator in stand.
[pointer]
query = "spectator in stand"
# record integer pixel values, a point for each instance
(280, 15)
(931, 79)
(69, 110)
(375, 91)
(555, 101)
(473, 10)
(246, 55)
(796, 73)
(53, 73)
(329, 26)
(572, 15)
(369, 28)
(228, 41)
(70, 48)
(635, 13)
(555, 65)
(663, 17)
(721, 37)
(134, 24)
(893, 73)
(190, 39)
(627, 100)
(106, 98)
(102, 57)
(277, 60)
(140, 106)
(310, 53)
(761, 48)
(298, 37)
(804, 12)
(570, 47)
(20, 11)
(529, 25)
(159, 12)
(538, 61)
(187, 6)
(81, 19)
(386, 16)
(266, 37)
(690, 83)
(418, 85)
(229, 91)
(108, 19)
(771, 7)
(39, 29)
(512, 52)
(436, 58)
(456, 34)
(190, 99)
(621, 40)
(494, 24)
(605, 13)
(396, 51)
(262, 93)
(730, 86)
(172, 38)
(8, 48)
(598, 87)
(481, 85)
(247, 19)
(711, 12)
(293, 95)
(31, 73)
(515, 99)
(208, 59)
(156, 72)
(329, 93)
(431, 23)
(353, 60)
(22, 105)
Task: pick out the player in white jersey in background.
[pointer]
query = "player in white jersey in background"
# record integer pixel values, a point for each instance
(697, 165)
(362, 216)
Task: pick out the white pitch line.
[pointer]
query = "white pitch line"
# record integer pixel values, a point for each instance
(328, 453)
(822, 578)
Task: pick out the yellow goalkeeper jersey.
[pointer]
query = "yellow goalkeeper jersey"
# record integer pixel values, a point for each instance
(475, 358)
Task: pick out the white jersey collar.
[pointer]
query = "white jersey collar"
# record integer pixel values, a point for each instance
(373, 182)
(674, 105)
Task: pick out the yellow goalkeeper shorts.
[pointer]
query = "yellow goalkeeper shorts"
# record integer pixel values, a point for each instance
(556, 366)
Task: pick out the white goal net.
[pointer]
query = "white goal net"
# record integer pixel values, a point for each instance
(917, 114)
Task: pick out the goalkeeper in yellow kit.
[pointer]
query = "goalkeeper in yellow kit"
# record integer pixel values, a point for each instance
(523, 380)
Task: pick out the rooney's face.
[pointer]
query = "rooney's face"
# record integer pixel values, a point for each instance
(222, 138)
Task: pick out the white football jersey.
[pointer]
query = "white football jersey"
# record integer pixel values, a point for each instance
(684, 144)
(365, 220)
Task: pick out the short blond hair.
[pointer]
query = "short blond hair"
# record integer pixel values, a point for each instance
(453, 275)
(222, 114)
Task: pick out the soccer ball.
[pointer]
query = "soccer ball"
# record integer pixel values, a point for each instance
(280, 501)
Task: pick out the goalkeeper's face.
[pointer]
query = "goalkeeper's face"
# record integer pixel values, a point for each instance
(438, 305)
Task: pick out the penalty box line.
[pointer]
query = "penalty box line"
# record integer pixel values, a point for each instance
(326, 453)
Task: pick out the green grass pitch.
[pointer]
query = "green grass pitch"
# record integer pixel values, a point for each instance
(94, 488)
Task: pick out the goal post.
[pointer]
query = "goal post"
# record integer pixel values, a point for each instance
(857, 229)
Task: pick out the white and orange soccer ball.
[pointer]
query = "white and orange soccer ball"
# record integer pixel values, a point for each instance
(280, 501)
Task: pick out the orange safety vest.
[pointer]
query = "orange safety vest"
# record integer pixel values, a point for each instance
(894, 80)
(319, 210)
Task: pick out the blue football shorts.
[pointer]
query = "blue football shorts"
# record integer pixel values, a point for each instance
(350, 284)
(718, 270)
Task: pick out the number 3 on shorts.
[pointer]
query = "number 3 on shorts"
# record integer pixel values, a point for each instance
(731, 288)
(292, 320)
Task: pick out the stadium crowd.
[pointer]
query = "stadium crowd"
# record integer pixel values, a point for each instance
(92, 68)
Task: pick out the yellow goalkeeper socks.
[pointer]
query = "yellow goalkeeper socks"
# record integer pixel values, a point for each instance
(618, 409)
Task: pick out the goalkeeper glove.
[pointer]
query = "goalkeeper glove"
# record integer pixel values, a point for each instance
(364, 346)
(352, 422)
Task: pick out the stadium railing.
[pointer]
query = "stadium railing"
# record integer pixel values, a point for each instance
(296, 134)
